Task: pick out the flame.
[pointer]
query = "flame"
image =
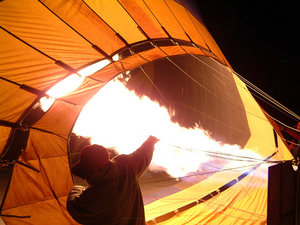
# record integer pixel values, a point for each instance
(117, 118)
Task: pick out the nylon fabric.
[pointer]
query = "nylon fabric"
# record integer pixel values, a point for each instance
(4, 133)
(87, 89)
(235, 205)
(196, 82)
(50, 158)
(62, 115)
(79, 16)
(13, 109)
(47, 212)
(166, 19)
(23, 65)
(141, 14)
(184, 19)
(31, 22)
(113, 13)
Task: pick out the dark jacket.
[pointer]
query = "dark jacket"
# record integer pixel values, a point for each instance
(114, 196)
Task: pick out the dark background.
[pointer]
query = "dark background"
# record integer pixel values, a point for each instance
(259, 39)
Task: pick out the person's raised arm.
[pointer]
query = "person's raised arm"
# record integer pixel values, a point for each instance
(141, 158)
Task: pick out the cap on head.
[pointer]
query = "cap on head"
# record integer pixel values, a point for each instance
(92, 157)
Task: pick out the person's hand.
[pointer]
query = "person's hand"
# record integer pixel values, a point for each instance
(152, 139)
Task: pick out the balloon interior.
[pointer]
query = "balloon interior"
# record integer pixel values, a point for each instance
(113, 73)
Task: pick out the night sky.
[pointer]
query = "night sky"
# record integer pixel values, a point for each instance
(259, 40)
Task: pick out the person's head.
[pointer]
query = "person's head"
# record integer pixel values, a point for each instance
(92, 158)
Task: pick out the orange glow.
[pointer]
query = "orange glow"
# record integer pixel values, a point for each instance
(62, 88)
(117, 118)
(70, 83)
(89, 70)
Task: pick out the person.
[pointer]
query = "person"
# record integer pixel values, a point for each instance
(113, 195)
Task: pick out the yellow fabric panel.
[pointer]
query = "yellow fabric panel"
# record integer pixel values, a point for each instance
(35, 24)
(4, 133)
(59, 119)
(282, 150)
(262, 138)
(191, 194)
(166, 19)
(186, 22)
(14, 101)
(48, 212)
(22, 64)
(141, 14)
(244, 203)
(114, 14)
(79, 16)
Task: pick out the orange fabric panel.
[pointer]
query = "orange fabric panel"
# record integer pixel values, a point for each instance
(166, 19)
(22, 64)
(114, 14)
(79, 16)
(31, 193)
(192, 50)
(184, 18)
(52, 146)
(48, 212)
(132, 62)
(83, 94)
(153, 54)
(14, 101)
(54, 176)
(35, 24)
(4, 133)
(59, 119)
(27, 186)
(173, 50)
(106, 73)
(141, 14)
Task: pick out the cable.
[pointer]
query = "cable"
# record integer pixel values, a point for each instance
(257, 90)
(268, 97)
(234, 157)
(204, 173)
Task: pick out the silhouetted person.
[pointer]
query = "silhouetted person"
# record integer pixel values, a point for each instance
(113, 196)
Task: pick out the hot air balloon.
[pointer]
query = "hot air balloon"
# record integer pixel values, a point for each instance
(57, 55)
